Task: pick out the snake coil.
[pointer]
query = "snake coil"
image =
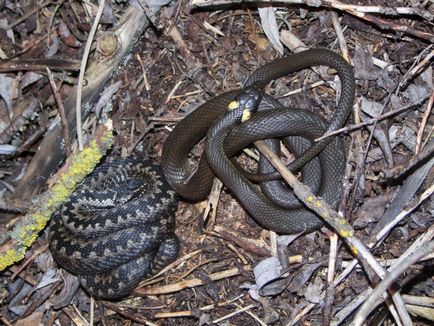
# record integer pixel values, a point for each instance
(117, 227)
(226, 137)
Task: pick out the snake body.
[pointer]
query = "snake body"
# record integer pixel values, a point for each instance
(286, 122)
(194, 182)
(117, 228)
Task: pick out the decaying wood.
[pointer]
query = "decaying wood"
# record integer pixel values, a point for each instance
(188, 57)
(27, 228)
(51, 151)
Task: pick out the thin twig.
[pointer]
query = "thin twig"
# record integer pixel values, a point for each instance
(332, 218)
(251, 314)
(136, 317)
(330, 291)
(419, 63)
(190, 283)
(61, 109)
(53, 14)
(101, 4)
(340, 36)
(27, 15)
(373, 120)
(425, 117)
(234, 313)
(393, 274)
(382, 234)
(92, 310)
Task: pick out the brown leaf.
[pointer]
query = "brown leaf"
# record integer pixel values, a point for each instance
(33, 320)
(371, 210)
(363, 64)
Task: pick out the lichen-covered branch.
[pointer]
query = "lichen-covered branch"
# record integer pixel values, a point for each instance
(78, 165)
(339, 224)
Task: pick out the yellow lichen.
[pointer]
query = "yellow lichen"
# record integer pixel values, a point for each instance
(310, 199)
(346, 233)
(59, 194)
(9, 257)
(355, 250)
(25, 234)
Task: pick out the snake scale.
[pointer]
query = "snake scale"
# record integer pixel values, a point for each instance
(118, 226)
(226, 137)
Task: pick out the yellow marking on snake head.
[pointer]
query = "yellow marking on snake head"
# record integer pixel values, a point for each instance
(246, 115)
(233, 105)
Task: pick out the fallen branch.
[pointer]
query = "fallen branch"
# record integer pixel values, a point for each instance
(39, 64)
(356, 302)
(332, 218)
(393, 274)
(63, 183)
(361, 12)
(46, 160)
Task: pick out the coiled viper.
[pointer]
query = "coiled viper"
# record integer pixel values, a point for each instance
(117, 228)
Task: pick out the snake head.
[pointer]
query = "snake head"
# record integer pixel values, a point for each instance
(247, 101)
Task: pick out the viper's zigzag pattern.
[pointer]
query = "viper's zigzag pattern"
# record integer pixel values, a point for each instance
(117, 227)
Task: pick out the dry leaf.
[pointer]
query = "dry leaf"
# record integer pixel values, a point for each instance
(269, 25)
(33, 320)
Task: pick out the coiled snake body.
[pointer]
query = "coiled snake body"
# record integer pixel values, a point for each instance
(227, 137)
(118, 226)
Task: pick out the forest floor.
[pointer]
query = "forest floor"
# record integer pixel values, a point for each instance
(187, 55)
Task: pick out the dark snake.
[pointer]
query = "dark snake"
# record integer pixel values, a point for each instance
(226, 137)
(118, 226)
